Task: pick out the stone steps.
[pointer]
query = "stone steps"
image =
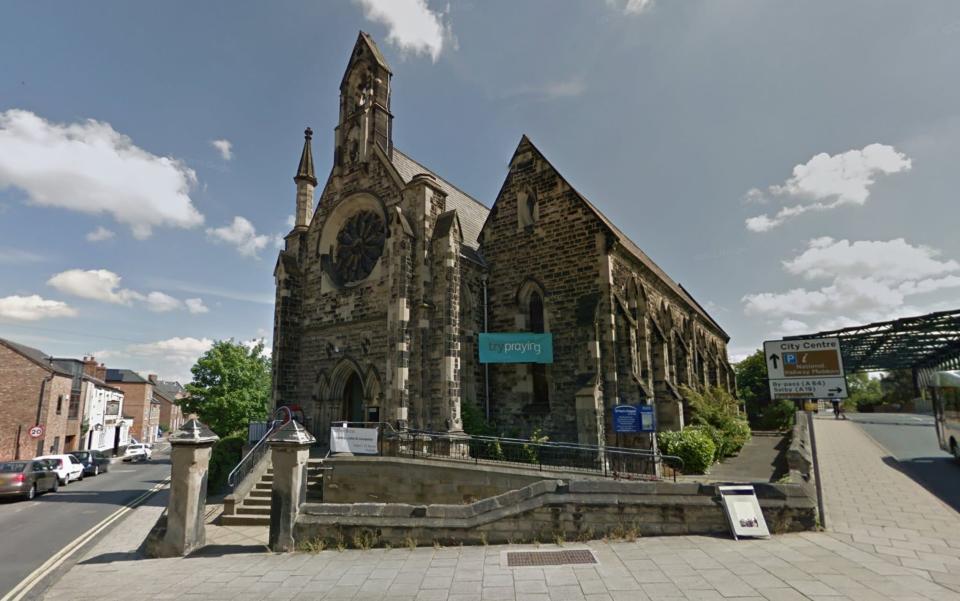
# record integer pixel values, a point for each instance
(254, 510)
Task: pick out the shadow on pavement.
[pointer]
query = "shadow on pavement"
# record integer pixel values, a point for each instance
(208, 551)
(930, 472)
(111, 557)
(102, 497)
(222, 550)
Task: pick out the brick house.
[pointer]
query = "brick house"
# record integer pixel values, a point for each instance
(383, 288)
(94, 417)
(33, 391)
(168, 393)
(139, 402)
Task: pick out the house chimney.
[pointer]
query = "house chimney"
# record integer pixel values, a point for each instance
(90, 366)
(102, 372)
(152, 378)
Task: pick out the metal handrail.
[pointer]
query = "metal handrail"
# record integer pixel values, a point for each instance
(592, 458)
(253, 456)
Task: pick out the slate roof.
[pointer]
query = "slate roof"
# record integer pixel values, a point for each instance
(471, 211)
(36, 355)
(168, 390)
(125, 375)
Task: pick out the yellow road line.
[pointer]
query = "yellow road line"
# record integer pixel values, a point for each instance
(26, 585)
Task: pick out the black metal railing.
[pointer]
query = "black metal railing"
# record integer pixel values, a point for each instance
(614, 462)
(257, 452)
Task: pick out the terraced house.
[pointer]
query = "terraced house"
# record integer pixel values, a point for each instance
(384, 287)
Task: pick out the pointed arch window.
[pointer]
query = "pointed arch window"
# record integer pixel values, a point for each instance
(536, 312)
(541, 389)
(528, 210)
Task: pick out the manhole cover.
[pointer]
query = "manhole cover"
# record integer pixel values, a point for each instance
(517, 559)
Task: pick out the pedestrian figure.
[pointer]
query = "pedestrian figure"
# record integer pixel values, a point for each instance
(838, 409)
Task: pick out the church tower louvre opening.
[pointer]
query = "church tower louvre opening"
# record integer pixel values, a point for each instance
(391, 276)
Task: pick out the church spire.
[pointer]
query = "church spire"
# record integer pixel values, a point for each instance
(306, 182)
(305, 170)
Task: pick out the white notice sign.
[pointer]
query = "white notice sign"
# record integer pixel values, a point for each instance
(359, 441)
(743, 511)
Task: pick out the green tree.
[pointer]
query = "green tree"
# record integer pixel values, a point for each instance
(754, 391)
(864, 392)
(752, 379)
(230, 388)
(897, 386)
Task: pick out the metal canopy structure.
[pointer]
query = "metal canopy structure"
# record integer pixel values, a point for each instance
(926, 342)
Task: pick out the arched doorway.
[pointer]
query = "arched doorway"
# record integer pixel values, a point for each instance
(352, 407)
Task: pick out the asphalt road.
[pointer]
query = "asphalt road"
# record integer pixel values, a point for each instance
(32, 531)
(912, 442)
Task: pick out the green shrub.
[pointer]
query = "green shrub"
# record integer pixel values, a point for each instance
(225, 456)
(692, 445)
(716, 410)
(778, 415)
(720, 443)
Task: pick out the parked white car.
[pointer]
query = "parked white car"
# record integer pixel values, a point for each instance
(138, 452)
(68, 468)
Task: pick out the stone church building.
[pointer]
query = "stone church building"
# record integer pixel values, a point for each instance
(383, 288)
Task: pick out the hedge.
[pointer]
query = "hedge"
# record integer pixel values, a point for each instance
(693, 446)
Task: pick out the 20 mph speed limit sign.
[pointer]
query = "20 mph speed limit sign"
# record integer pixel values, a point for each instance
(36, 432)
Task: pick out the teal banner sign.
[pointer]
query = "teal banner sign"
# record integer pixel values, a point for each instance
(516, 347)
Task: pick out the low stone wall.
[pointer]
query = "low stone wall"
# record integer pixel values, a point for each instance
(549, 510)
(420, 481)
(800, 453)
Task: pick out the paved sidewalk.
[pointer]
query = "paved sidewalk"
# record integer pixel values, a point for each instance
(836, 565)
(879, 510)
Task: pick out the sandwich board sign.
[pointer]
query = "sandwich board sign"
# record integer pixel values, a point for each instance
(809, 368)
(743, 512)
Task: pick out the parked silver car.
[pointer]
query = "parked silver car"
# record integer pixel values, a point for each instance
(27, 478)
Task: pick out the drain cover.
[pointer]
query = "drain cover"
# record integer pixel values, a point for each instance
(517, 559)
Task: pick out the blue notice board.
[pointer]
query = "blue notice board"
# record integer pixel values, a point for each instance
(516, 347)
(633, 419)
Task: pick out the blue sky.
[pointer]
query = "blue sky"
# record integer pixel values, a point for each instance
(793, 165)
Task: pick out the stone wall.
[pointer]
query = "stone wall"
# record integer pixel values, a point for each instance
(400, 480)
(556, 255)
(550, 510)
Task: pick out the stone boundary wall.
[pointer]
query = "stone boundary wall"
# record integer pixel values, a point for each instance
(381, 479)
(800, 453)
(551, 510)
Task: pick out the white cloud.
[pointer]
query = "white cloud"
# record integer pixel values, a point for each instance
(224, 147)
(171, 359)
(104, 285)
(892, 260)
(411, 25)
(242, 234)
(31, 308)
(15, 255)
(869, 281)
(158, 302)
(632, 7)
(829, 181)
(91, 168)
(100, 234)
(196, 306)
(94, 284)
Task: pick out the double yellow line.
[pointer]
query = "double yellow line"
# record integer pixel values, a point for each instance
(26, 585)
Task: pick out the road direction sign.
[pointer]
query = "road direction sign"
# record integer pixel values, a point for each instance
(809, 368)
(36, 432)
